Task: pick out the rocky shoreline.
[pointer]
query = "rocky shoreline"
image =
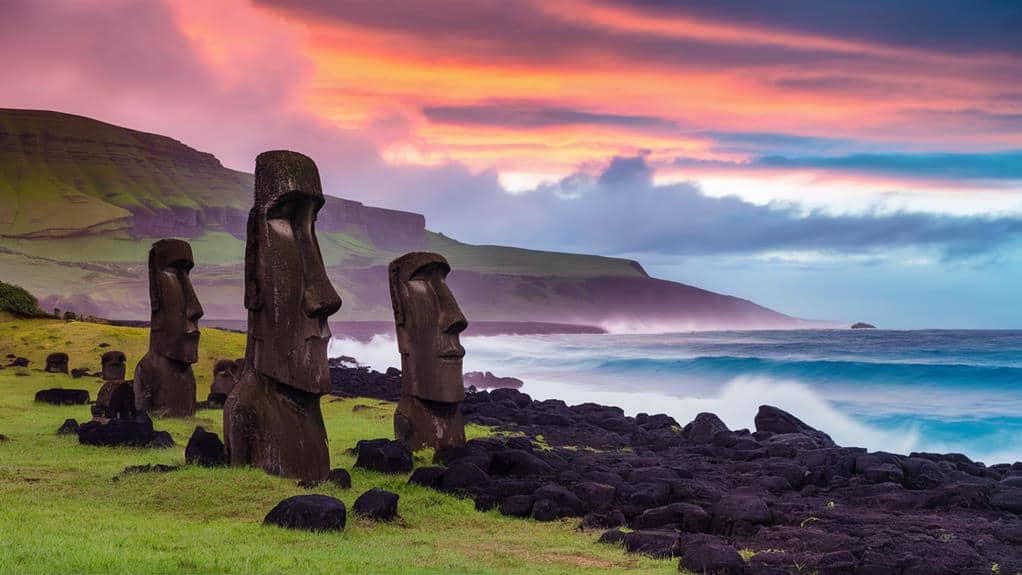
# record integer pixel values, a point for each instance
(785, 493)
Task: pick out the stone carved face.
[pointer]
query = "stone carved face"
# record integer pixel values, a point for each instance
(113, 365)
(428, 322)
(287, 291)
(175, 308)
(57, 362)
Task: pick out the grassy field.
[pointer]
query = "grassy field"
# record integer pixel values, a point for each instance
(62, 512)
(518, 261)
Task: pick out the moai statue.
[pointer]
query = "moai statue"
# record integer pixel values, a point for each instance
(56, 363)
(225, 376)
(428, 322)
(113, 363)
(116, 399)
(164, 382)
(272, 418)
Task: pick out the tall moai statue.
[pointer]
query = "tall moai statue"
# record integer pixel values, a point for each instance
(428, 322)
(164, 382)
(272, 417)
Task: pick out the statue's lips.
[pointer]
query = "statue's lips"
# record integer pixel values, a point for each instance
(452, 354)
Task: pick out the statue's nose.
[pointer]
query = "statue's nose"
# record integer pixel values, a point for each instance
(321, 300)
(193, 309)
(452, 321)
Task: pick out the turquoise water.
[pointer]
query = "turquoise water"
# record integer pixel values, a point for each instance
(947, 391)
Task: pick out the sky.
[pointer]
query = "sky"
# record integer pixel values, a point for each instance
(846, 160)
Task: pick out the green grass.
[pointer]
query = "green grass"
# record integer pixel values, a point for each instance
(36, 339)
(61, 511)
(61, 174)
(17, 301)
(518, 261)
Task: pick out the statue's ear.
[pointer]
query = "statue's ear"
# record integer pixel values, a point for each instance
(155, 294)
(253, 299)
(395, 297)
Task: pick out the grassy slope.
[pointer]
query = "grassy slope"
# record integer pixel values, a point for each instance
(66, 172)
(518, 261)
(61, 512)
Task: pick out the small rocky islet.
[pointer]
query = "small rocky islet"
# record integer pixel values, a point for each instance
(701, 492)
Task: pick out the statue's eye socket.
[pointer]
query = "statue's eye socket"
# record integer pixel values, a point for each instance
(283, 210)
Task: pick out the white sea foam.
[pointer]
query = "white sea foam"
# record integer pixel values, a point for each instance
(566, 367)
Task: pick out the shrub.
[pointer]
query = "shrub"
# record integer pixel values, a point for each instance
(15, 300)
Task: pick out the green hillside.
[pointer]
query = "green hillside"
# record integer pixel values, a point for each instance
(62, 174)
(81, 202)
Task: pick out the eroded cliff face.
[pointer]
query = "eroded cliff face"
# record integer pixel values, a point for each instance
(63, 175)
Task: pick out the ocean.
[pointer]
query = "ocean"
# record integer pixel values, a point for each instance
(942, 391)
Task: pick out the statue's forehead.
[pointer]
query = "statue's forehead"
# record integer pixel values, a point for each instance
(169, 252)
(282, 173)
(113, 356)
(409, 264)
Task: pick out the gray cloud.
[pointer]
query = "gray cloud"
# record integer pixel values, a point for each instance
(954, 26)
(622, 211)
(518, 114)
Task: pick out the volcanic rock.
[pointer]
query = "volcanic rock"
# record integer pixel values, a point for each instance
(339, 477)
(376, 504)
(135, 432)
(711, 556)
(427, 476)
(205, 449)
(383, 455)
(61, 396)
(308, 512)
(68, 427)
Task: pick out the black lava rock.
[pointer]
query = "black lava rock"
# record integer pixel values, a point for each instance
(711, 557)
(68, 427)
(136, 432)
(205, 449)
(427, 476)
(339, 477)
(309, 513)
(61, 396)
(384, 455)
(377, 505)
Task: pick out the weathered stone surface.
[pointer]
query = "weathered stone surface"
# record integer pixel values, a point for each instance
(428, 322)
(704, 427)
(61, 396)
(658, 544)
(764, 491)
(225, 377)
(680, 516)
(427, 476)
(739, 513)
(272, 417)
(377, 505)
(309, 513)
(116, 399)
(711, 556)
(164, 382)
(463, 476)
(339, 477)
(70, 426)
(113, 365)
(383, 455)
(773, 420)
(135, 432)
(56, 363)
(205, 449)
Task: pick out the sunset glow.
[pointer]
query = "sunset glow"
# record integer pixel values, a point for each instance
(675, 115)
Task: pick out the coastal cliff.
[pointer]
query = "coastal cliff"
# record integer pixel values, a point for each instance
(81, 200)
